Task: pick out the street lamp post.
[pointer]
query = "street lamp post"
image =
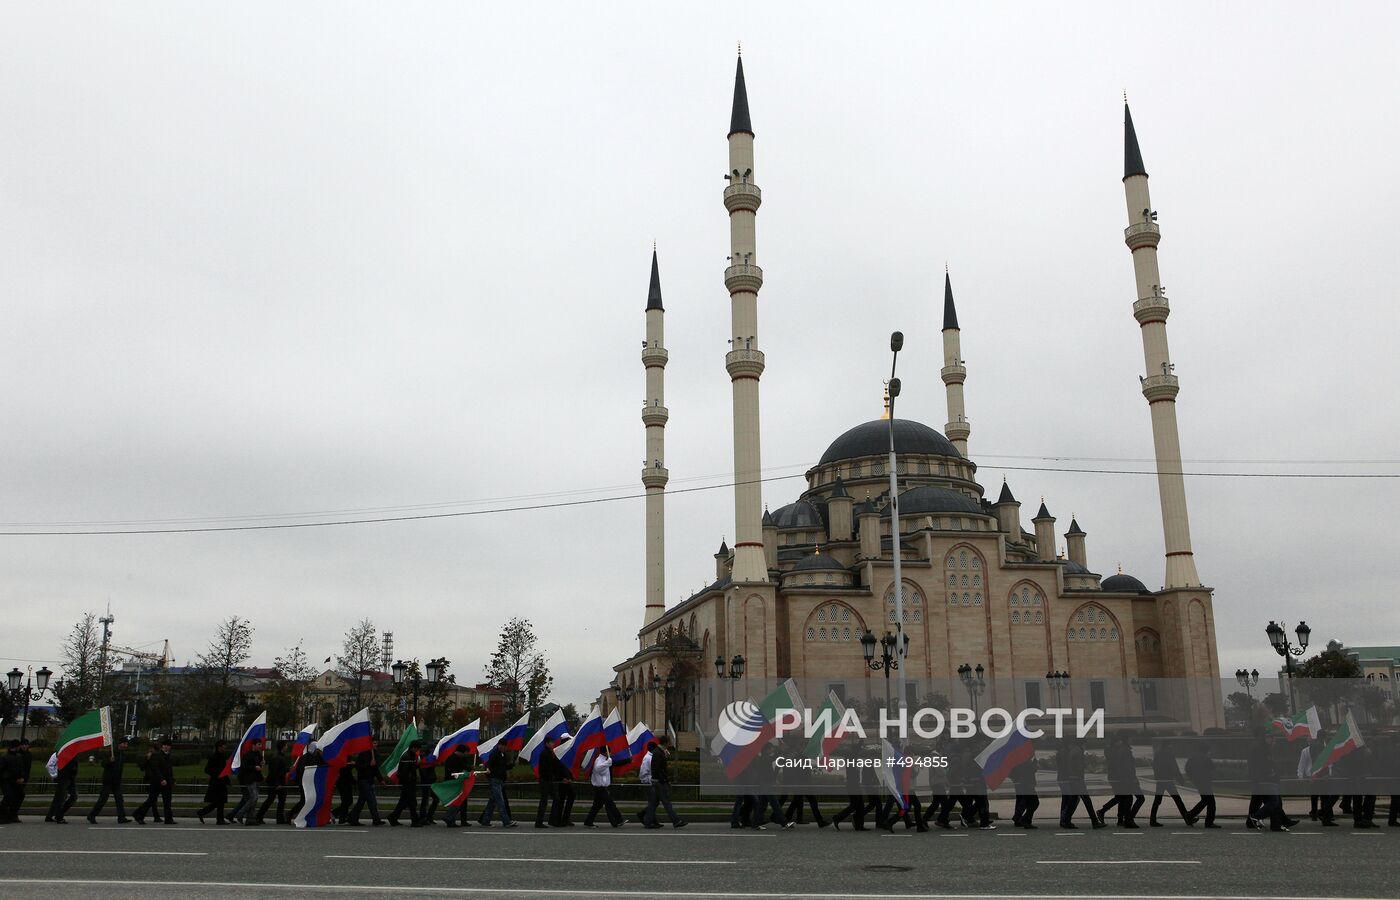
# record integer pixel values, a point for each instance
(1248, 680)
(975, 681)
(28, 692)
(1141, 685)
(434, 670)
(736, 671)
(901, 646)
(664, 687)
(1278, 638)
(1058, 682)
(889, 655)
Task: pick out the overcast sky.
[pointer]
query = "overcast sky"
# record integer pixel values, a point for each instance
(305, 258)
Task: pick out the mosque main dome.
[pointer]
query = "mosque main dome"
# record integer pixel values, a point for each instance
(873, 439)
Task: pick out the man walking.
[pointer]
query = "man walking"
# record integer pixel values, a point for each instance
(250, 776)
(600, 776)
(548, 778)
(65, 789)
(1200, 768)
(408, 786)
(160, 780)
(14, 775)
(497, 768)
(660, 791)
(1069, 773)
(367, 776)
(112, 783)
(277, 766)
(1166, 773)
(216, 794)
(1027, 799)
(427, 798)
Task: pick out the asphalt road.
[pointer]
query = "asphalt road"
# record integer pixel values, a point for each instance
(704, 860)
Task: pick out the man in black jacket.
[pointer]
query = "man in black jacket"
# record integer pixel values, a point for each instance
(427, 797)
(1200, 769)
(661, 786)
(367, 776)
(548, 778)
(112, 783)
(14, 779)
(345, 794)
(1027, 799)
(277, 767)
(160, 778)
(250, 776)
(497, 768)
(408, 786)
(216, 794)
(1166, 773)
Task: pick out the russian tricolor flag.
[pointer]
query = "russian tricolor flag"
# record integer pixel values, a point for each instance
(1004, 754)
(341, 743)
(466, 736)
(576, 752)
(615, 735)
(631, 758)
(513, 738)
(745, 728)
(553, 728)
(253, 739)
(318, 783)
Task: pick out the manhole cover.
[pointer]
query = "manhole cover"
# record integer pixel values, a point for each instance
(885, 868)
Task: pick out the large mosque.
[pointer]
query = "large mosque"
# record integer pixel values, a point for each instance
(804, 582)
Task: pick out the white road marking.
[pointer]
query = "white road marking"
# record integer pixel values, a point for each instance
(207, 829)
(545, 859)
(117, 852)
(1118, 862)
(265, 888)
(629, 832)
(1070, 834)
(1127, 834)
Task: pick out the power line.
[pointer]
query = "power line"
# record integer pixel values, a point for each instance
(596, 500)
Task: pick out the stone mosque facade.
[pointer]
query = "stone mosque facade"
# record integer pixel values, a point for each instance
(803, 582)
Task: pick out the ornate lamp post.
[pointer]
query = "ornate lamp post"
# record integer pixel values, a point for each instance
(975, 681)
(736, 671)
(35, 683)
(434, 670)
(1249, 680)
(1278, 638)
(889, 656)
(1058, 682)
(664, 687)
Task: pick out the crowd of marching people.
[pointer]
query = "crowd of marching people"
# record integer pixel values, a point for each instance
(339, 780)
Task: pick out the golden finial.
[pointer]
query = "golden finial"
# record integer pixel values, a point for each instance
(740, 45)
(653, 246)
(1120, 568)
(886, 413)
(1125, 96)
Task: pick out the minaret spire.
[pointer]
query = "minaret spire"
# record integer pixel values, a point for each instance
(954, 372)
(744, 362)
(654, 473)
(1160, 384)
(1132, 156)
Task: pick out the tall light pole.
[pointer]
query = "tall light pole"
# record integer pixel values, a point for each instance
(27, 693)
(1278, 638)
(434, 669)
(889, 656)
(1058, 682)
(1248, 680)
(901, 646)
(1141, 685)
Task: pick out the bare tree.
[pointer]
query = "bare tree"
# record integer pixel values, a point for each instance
(520, 668)
(218, 668)
(286, 701)
(78, 689)
(359, 656)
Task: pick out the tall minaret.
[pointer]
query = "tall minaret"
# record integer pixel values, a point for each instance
(744, 361)
(654, 474)
(1160, 385)
(954, 372)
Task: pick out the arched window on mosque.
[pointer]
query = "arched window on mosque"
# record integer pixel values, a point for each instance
(811, 634)
(1015, 617)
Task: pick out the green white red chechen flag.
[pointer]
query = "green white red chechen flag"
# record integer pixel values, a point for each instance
(390, 767)
(453, 792)
(90, 731)
(1346, 739)
(1304, 725)
(824, 740)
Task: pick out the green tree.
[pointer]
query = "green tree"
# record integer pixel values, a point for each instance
(77, 691)
(286, 700)
(1329, 679)
(217, 672)
(520, 668)
(359, 658)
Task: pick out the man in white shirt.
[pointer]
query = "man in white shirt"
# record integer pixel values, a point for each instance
(601, 779)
